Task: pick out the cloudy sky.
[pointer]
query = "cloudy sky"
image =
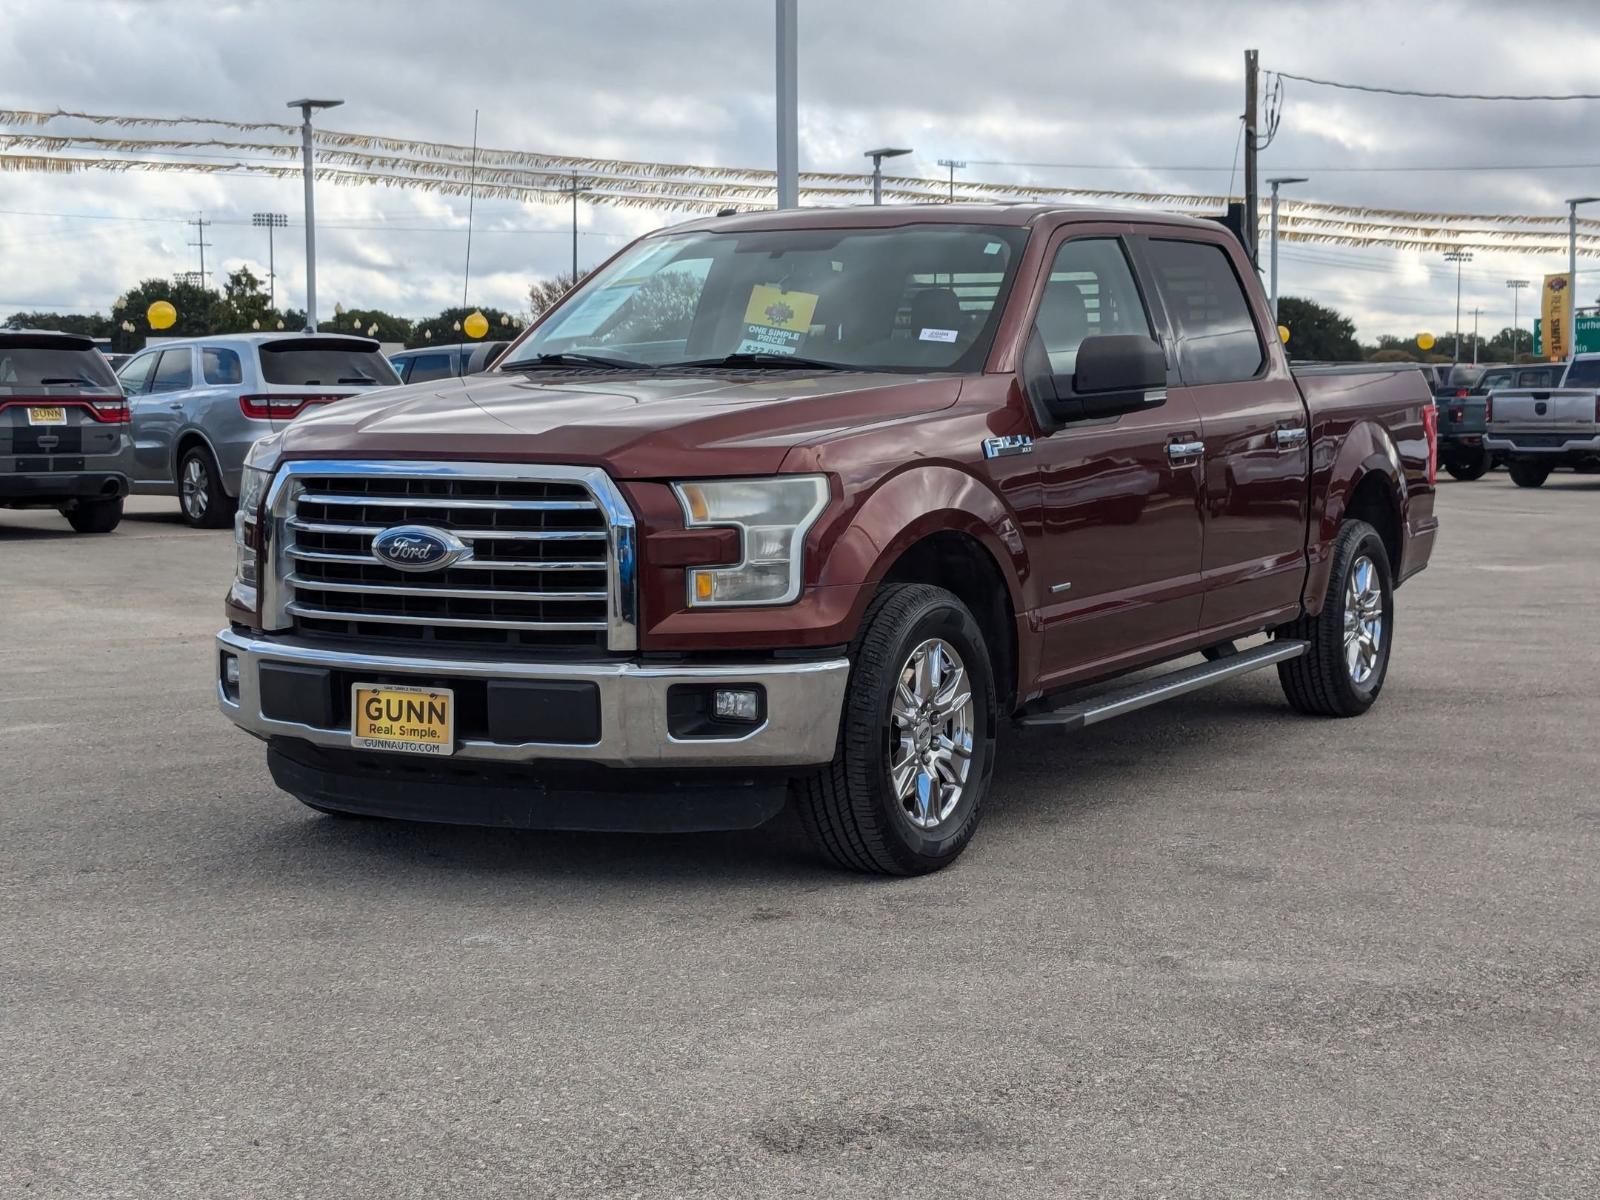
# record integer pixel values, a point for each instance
(1137, 94)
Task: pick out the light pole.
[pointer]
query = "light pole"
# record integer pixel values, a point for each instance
(877, 156)
(1516, 286)
(1458, 257)
(269, 222)
(1475, 312)
(788, 97)
(1572, 271)
(307, 107)
(954, 164)
(1273, 267)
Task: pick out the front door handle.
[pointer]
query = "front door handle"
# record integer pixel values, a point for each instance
(176, 406)
(1289, 438)
(1178, 451)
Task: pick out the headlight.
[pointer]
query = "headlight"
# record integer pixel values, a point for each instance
(253, 484)
(772, 516)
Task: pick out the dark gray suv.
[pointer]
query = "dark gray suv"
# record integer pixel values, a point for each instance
(64, 433)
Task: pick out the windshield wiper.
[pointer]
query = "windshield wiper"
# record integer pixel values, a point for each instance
(571, 358)
(357, 379)
(764, 358)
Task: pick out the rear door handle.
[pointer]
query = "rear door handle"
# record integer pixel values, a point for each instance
(1288, 438)
(1177, 451)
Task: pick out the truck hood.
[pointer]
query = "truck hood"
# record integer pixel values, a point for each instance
(636, 426)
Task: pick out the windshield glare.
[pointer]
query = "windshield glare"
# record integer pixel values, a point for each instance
(913, 298)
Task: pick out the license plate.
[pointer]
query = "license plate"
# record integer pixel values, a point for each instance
(411, 720)
(47, 416)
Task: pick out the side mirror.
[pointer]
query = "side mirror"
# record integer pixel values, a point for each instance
(1116, 373)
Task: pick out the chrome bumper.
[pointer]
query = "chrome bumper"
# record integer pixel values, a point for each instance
(804, 700)
(1571, 445)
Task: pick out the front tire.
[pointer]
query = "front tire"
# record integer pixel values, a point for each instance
(905, 790)
(1529, 474)
(201, 498)
(1342, 671)
(1466, 472)
(94, 516)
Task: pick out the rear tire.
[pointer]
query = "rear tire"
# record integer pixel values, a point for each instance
(905, 790)
(94, 516)
(1342, 671)
(201, 498)
(1529, 474)
(1466, 472)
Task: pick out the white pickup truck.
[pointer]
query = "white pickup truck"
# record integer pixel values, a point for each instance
(1540, 429)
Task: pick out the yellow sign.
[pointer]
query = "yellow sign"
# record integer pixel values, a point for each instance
(1424, 341)
(391, 717)
(161, 315)
(476, 325)
(1555, 310)
(776, 321)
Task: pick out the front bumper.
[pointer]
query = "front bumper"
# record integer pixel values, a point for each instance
(799, 726)
(1543, 443)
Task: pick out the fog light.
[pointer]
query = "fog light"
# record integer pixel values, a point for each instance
(736, 704)
(230, 676)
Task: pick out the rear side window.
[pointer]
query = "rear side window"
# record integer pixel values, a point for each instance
(23, 367)
(429, 366)
(1544, 377)
(1090, 292)
(1493, 379)
(1584, 372)
(1217, 340)
(220, 366)
(325, 362)
(174, 373)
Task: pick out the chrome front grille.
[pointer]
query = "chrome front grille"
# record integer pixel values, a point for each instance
(550, 563)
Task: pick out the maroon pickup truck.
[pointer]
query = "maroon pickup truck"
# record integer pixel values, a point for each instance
(800, 507)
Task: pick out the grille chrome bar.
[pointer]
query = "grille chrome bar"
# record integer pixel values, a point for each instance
(308, 552)
(319, 614)
(374, 589)
(434, 501)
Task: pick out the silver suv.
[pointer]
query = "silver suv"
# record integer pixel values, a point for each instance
(64, 440)
(199, 403)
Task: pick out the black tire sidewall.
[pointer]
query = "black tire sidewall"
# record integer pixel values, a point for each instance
(940, 616)
(216, 498)
(1526, 474)
(1361, 540)
(95, 516)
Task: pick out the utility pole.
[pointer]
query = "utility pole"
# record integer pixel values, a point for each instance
(307, 107)
(1516, 286)
(1458, 257)
(953, 164)
(1252, 191)
(270, 221)
(788, 105)
(200, 224)
(1475, 313)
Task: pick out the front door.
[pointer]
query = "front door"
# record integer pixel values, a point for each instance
(1119, 497)
(158, 414)
(1254, 424)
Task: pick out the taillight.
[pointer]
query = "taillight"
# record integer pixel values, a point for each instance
(1488, 408)
(111, 412)
(1430, 427)
(1460, 392)
(108, 410)
(278, 406)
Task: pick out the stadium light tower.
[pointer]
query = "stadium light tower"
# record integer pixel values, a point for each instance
(307, 107)
(1458, 257)
(269, 222)
(1516, 286)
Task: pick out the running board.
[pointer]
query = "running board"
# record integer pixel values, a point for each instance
(1153, 691)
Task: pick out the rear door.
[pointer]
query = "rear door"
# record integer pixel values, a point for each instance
(158, 413)
(1253, 423)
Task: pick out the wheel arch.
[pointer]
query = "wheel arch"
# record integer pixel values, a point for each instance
(1366, 482)
(187, 440)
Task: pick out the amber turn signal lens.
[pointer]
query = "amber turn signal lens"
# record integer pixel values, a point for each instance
(704, 585)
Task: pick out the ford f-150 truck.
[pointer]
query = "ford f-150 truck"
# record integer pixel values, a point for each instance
(803, 506)
(1538, 429)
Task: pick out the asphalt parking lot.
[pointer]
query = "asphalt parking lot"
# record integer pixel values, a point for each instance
(1212, 949)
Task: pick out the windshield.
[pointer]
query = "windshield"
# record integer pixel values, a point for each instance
(913, 298)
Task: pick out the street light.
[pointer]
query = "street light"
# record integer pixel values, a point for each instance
(1458, 257)
(954, 164)
(1273, 269)
(307, 107)
(270, 221)
(1572, 271)
(877, 156)
(1516, 286)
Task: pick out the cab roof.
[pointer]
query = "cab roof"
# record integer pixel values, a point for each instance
(875, 216)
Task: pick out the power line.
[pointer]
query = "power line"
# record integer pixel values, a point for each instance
(1389, 91)
(1393, 168)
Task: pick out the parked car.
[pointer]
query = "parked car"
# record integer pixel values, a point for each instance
(1437, 375)
(199, 403)
(1538, 429)
(64, 440)
(1463, 416)
(875, 481)
(445, 362)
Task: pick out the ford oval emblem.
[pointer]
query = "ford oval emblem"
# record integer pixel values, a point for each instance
(418, 548)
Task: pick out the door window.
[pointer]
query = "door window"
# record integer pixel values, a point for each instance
(424, 367)
(1090, 292)
(220, 366)
(1216, 336)
(135, 375)
(175, 372)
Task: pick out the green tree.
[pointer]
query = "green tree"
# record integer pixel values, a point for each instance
(444, 329)
(543, 293)
(196, 306)
(88, 324)
(242, 305)
(1317, 331)
(370, 322)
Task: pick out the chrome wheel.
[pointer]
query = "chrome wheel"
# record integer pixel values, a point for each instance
(194, 488)
(930, 735)
(1363, 621)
